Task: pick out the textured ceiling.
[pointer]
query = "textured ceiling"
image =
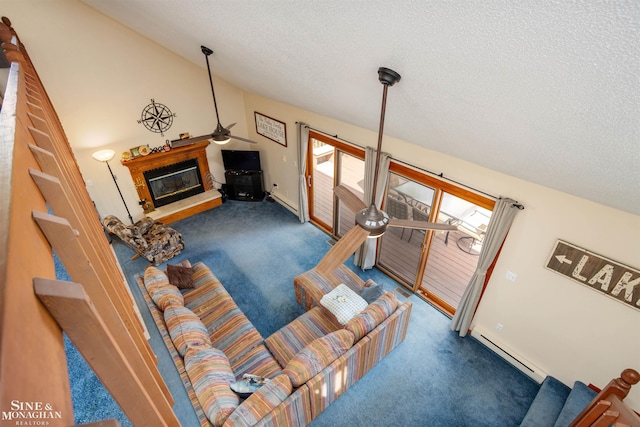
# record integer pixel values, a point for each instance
(543, 90)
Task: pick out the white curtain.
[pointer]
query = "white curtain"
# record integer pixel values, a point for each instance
(502, 217)
(365, 256)
(303, 146)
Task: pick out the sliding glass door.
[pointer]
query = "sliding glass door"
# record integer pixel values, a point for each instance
(331, 163)
(435, 264)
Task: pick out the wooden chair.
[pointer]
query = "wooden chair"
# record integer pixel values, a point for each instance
(398, 209)
(419, 215)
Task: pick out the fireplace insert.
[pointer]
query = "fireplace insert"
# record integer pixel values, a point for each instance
(174, 182)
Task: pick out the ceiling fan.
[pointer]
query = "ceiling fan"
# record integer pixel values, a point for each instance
(221, 135)
(370, 221)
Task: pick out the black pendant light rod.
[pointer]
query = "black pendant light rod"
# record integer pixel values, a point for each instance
(388, 78)
(375, 175)
(208, 52)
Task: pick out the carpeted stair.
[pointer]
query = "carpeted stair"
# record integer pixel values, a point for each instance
(556, 405)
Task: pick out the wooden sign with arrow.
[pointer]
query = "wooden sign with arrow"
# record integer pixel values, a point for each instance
(609, 277)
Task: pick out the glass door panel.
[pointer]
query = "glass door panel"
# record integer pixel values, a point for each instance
(400, 249)
(322, 177)
(351, 175)
(453, 255)
(331, 163)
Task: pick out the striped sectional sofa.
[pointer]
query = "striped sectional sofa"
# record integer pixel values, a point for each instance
(311, 361)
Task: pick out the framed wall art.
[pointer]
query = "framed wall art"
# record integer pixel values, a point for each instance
(271, 128)
(135, 152)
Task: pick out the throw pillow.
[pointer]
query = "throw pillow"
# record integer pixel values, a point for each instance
(319, 354)
(371, 291)
(376, 313)
(185, 329)
(160, 290)
(343, 303)
(210, 374)
(180, 276)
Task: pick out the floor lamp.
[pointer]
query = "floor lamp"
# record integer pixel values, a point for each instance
(105, 156)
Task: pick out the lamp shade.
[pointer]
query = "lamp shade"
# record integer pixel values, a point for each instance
(103, 155)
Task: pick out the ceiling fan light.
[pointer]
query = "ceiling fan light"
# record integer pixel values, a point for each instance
(373, 220)
(220, 139)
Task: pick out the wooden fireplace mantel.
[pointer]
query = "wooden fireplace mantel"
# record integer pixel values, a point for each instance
(140, 165)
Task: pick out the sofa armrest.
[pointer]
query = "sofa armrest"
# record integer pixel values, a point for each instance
(311, 285)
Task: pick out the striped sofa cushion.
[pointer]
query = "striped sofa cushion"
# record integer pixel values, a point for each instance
(210, 374)
(229, 329)
(257, 361)
(372, 316)
(344, 274)
(261, 402)
(185, 328)
(160, 290)
(203, 275)
(311, 285)
(234, 334)
(290, 339)
(317, 356)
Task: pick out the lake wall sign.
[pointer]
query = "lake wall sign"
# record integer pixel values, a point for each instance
(609, 277)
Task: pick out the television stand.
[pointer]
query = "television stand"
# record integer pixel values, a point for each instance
(245, 185)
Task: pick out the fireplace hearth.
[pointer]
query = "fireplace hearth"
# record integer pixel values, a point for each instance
(171, 180)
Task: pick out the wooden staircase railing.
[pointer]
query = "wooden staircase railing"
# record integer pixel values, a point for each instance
(608, 408)
(45, 208)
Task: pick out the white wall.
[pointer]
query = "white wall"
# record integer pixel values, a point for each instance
(100, 75)
(103, 75)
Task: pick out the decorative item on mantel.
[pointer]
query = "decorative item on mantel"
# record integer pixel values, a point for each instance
(146, 206)
(144, 150)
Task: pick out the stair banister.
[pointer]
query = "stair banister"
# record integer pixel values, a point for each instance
(619, 387)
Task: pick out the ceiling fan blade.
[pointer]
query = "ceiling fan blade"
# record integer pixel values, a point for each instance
(242, 139)
(342, 250)
(347, 197)
(420, 225)
(195, 139)
(230, 126)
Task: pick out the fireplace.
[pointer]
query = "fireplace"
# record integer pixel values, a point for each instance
(174, 182)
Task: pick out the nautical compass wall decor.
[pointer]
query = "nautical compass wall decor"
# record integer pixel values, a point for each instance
(157, 117)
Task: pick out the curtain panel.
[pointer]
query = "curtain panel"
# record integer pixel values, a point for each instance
(302, 133)
(502, 217)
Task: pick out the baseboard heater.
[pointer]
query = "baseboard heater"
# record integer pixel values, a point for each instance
(285, 204)
(509, 355)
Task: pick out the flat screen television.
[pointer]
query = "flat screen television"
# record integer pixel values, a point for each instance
(241, 160)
